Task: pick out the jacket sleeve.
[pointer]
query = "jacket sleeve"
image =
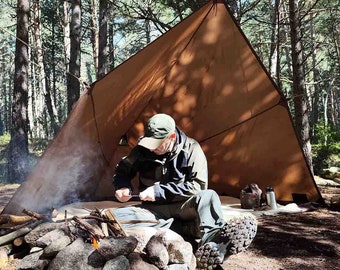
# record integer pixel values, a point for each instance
(195, 180)
(125, 171)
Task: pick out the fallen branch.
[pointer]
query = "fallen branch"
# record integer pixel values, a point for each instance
(13, 220)
(36, 215)
(19, 241)
(17, 233)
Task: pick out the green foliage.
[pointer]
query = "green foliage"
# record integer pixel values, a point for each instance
(326, 135)
(36, 147)
(326, 149)
(4, 140)
(325, 156)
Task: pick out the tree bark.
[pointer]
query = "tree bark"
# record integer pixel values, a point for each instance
(40, 91)
(94, 33)
(51, 88)
(274, 44)
(18, 146)
(111, 48)
(103, 46)
(335, 92)
(73, 83)
(315, 95)
(299, 92)
(66, 29)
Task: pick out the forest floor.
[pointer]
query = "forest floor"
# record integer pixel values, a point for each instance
(307, 240)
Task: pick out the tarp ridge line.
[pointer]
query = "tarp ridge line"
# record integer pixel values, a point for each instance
(172, 65)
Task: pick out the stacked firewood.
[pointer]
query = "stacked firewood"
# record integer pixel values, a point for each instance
(95, 241)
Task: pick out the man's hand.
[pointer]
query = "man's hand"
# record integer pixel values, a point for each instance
(148, 194)
(123, 194)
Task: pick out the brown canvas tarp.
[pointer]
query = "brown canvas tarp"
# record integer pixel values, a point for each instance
(204, 73)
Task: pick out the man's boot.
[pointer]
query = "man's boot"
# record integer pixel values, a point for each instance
(234, 237)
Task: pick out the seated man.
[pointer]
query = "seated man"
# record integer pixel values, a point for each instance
(173, 181)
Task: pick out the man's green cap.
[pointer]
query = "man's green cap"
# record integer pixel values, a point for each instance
(157, 129)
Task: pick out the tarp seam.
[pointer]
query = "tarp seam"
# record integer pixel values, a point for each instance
(242, 122)
(96, 127)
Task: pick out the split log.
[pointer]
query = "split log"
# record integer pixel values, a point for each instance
(95, 232)
(105, 229)
(130, 221)
(116, 227)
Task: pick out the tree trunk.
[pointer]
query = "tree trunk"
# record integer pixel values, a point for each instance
(285, 34)
(299, 93)
(103, 47)
(94, 33)
(111, 48)
(335, 93)
(232, 4)
(18, 146)
(73, 83)
(336, 36)
(40, 91)
(31, 93)
(315, 95)
(274, 44)
(66, 29)
(50, 105)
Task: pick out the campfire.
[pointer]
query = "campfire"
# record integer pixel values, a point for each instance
(94, 241)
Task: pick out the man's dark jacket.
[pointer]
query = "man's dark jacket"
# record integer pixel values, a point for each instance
(176, 175)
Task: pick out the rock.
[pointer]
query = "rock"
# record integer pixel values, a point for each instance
(74, 256)
(120, 262)
(137, 263)
(142, 235)
(32, 262)
(179, 250)
(111, 247)
(49, 237)
(96, 260)
(157, 252)
(331, 173)
(3, 258)
(40, 231)
(177, 267)
(57, 245)
(335, 203)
